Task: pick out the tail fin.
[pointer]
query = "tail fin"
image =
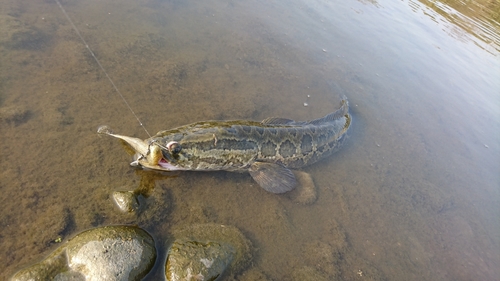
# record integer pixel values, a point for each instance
(341, 112)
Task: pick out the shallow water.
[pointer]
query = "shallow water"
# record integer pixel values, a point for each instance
(413, 195)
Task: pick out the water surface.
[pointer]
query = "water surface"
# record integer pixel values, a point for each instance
(413, 194)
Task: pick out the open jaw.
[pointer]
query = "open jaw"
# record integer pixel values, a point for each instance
(161, 165)
(166, 166)
(153, 159)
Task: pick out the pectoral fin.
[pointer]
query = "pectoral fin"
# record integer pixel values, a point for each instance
(273, 177)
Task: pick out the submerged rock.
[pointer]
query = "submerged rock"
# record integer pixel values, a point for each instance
(305, 193)
(126, 201)
(189, 259)
(206, 252)
(106, 253)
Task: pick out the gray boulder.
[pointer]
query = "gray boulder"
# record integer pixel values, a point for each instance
(118, 253)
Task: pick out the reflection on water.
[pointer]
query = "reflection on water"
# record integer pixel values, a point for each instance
(413, 195)
(478, 21)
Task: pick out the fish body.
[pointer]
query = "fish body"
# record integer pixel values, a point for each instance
(267, 149)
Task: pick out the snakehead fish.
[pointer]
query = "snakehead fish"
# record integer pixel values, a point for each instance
(267, 149)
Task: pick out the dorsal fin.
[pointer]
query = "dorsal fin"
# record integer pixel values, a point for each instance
(277, 121)
(341, 112)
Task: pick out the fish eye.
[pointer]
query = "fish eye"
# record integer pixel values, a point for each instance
(174, 147)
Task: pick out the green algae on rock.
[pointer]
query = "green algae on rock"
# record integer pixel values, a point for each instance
(198, 260)
(126, 201)
(206, 252)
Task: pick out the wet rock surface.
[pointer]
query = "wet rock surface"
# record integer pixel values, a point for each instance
(126, 201)
(199, 260)
(105, 253)
(207, 252)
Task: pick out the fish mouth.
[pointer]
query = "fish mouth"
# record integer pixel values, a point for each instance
(167, 166)
(161, 165)
(148, 155)
(153, 163)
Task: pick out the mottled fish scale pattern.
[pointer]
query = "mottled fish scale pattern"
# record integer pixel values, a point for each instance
(235, 145)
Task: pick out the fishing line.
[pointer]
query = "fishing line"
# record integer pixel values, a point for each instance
(100, 65)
